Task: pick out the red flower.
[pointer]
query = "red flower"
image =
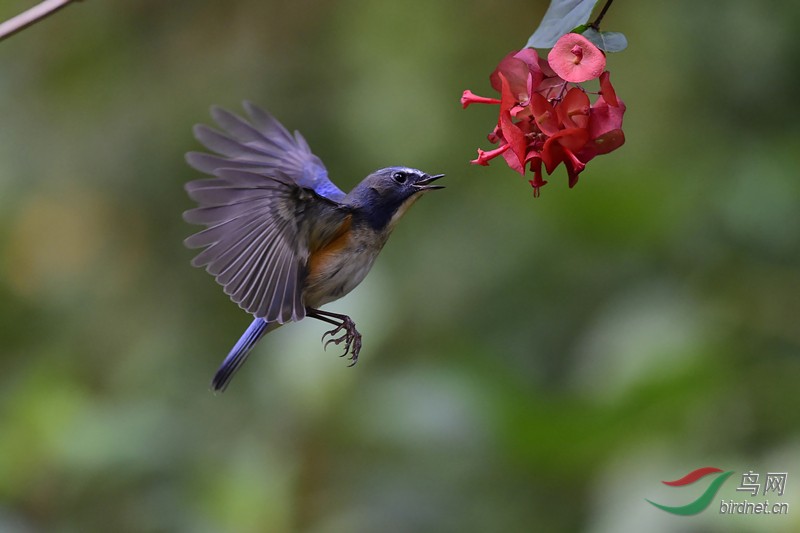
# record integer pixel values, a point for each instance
(471, 98)
(545, 118)
(576, 59)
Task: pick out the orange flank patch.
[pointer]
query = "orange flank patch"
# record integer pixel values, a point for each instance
(320, 257)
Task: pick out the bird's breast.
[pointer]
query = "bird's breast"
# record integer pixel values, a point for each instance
(338, 267)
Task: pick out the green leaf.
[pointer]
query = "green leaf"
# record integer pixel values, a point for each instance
(559, 19)
(608, 41)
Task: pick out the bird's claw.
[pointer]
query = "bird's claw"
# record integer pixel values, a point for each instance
(351, 339)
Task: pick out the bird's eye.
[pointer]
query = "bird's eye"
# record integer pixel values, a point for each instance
(400, 177)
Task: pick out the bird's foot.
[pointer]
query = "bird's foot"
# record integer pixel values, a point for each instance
(350, 337)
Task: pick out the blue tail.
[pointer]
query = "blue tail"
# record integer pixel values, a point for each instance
(239, 353)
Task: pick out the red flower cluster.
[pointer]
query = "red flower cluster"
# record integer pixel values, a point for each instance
(545, 121)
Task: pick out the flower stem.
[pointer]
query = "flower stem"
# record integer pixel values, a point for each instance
(596, 23)
(31, 16)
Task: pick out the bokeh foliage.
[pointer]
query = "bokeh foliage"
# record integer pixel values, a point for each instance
(529, 365)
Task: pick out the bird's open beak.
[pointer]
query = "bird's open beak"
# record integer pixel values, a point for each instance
(425, 183)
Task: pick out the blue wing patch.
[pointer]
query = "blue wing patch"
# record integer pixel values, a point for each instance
(261, 146)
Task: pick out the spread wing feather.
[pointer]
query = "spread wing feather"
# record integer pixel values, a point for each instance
(254, 245)
(261, 146)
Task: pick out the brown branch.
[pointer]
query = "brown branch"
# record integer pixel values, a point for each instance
(596, 23)
(31, 16)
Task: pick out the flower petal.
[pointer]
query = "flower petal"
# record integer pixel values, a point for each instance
(513, 161)
(573, 111)
(531, 58)
(544, 115)
(518, 76)
(607, 90)
(608, 142)
(514, 136)
(604, 118)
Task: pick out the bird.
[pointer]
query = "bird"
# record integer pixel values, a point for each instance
(279, 236)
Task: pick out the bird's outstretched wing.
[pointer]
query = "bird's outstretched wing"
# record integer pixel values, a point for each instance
(256, 243)
(261, 146)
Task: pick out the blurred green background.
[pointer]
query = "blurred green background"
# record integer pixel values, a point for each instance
(528, 364)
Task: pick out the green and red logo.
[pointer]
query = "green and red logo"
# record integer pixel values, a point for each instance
(705, 499)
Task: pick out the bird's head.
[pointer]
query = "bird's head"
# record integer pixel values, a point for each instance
(385, 195)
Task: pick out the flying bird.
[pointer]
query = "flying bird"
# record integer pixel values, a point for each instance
(281, 238)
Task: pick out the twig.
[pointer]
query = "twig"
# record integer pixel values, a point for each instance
(31, 16)
(596, 23)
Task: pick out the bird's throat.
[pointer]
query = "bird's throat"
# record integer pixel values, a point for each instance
(407, 203)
